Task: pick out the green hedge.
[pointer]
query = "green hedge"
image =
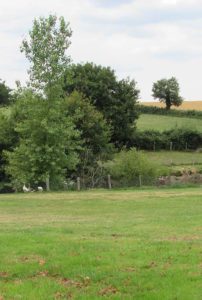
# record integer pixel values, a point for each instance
(144, 109)
(178, 139)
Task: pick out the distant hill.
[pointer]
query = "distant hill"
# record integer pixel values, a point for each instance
(186, 105)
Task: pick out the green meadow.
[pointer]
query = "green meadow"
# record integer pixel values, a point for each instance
(128, 244)
(177, 158)
(162, 123)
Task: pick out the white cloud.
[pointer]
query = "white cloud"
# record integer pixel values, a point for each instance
(144, 39)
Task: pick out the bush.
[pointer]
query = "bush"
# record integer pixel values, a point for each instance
(128, 165)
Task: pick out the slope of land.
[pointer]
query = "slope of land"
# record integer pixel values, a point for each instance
(162, 123)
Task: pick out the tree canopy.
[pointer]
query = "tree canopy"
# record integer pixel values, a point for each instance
(4, 94)
(47, 145)
(167, 91)
(116, 99)
(45, 48)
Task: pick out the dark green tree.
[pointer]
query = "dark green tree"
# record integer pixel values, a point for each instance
(94, 131)
(167, 91)
(94, 134)
(115, 99)
(5, 96)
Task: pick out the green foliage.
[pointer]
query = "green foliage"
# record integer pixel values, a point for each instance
(129, 164)
(45, 49)
(94, 131)
(181, 139)
(94, 135)
(47, 141)
(5, 97)
(145, 109)
(115, 99)
(7, 141)
(167, 91)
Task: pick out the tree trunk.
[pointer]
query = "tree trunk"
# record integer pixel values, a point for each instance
(168, 104)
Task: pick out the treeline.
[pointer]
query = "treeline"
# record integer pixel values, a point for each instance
(76, 120)
(146, 109)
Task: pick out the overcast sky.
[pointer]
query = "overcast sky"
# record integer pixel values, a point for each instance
(144, 39)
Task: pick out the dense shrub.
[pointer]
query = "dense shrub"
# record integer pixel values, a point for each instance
(128, 165)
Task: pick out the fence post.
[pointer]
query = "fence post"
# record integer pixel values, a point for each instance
(78, 184)
(186, 146)
(154, 146)
(109, 181)
(171, 146)
(48, 183)
(140, 180)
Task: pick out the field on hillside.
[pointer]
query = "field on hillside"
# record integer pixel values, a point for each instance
(177, 158)
(162, 123)
(141, 244)
(186, 105)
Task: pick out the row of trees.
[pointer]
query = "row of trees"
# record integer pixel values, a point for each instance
(99, 84)
(69, 118)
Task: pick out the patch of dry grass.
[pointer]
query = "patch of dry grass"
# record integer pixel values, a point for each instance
(186, 105)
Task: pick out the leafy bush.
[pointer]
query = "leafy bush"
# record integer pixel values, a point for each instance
(128, 165)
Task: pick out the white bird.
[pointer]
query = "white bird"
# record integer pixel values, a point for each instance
(25, 189)
(40, 189)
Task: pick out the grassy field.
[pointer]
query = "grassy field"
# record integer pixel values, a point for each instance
(141, 244)
(161, 123)
(186, 105)
(177, 158)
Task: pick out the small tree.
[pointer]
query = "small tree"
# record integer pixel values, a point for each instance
(127, 165)
(94, 135)
(167, 91)
(47, 142)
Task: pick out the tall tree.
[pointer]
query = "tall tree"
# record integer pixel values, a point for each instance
(47, 136)
(167, 91)
(115, 99)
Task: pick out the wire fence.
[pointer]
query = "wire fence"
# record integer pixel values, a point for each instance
(108, 182)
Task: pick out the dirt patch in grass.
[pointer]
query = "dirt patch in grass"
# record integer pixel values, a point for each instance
(183, 238)
(109, 290)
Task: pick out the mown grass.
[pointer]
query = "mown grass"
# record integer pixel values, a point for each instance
(162, 123)
(101, 245)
